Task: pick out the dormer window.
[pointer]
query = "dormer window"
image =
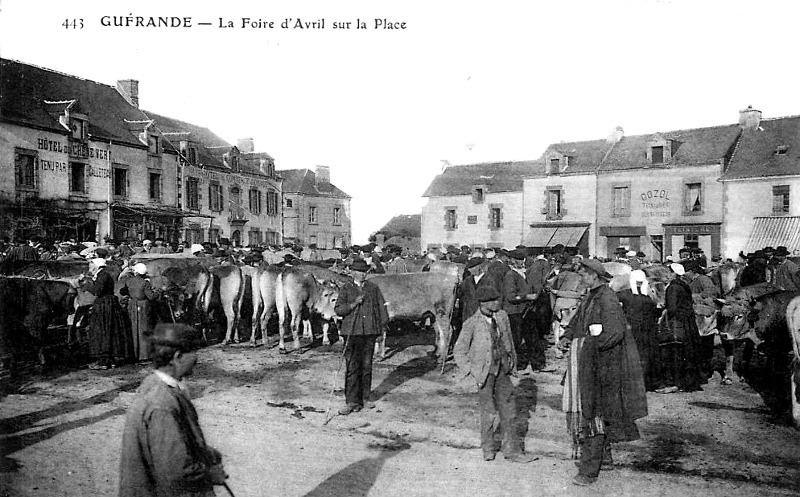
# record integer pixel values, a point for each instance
(478, 194)
(657, 156)
(781, 150)
(235, 162)
(191, 155)
(78, 127)
(555, 164)
(152, 144)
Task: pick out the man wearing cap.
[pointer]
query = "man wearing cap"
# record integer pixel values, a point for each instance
(164, 451)
(140, 311)
(485, 353)
(787, 274)
(375, 260)
(364, 316)
(604, 391)
(516, 301)
(466, 293)
(680, 345)
(110, 340)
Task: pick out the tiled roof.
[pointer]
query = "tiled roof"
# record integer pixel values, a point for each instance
(304, 182)
(757, 155)
(584, 157)
(495, 176)
(699, 146)
(25, 88)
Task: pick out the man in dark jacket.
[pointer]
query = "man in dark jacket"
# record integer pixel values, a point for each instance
(364, 316)
(164, 451)
(604, 391)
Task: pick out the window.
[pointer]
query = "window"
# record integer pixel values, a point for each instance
(193, 193)
(658, 155)
(554, 203)
(254, 237)
(236, 195)
(496, 218)
(272, 203)
(25, 169)
(77, 177)
(554, 166)
(255, 201)
(215, 197)
(312, 215)
(120, 182)
(622, 201)
(213, 234)
(289, 203)
(78, 129)
(152, 144)
(450, 219)
(235, 163)
(472, 219)
(693, 197)
(192, 156)
(154, 191)
(337, 216)
(477, 194)
(194, 234)
(780, 199)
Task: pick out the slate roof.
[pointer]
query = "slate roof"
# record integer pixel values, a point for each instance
(24, 89)
(304, 182)
(495, 176)
(408, 225)
(204, 137)
(700, 146)
(584, 156)
(756, 157)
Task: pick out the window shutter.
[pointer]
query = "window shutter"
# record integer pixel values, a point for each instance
(85, 179)
(210, 197)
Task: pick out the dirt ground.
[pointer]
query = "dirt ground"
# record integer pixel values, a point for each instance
(266, 412)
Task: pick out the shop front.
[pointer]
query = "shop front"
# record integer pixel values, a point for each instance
(547, 235)
(705, 236)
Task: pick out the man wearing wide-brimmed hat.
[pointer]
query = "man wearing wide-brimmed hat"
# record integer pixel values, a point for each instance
(786, 273)
(164, 451)
(604, 391)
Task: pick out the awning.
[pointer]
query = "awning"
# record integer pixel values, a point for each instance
(774, 232)
(568, 236)
(540, 236)
(550, 236)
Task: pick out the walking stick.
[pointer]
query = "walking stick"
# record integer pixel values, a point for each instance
(333, 388)
(228, 489)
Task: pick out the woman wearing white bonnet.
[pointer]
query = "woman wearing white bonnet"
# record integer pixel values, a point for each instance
(110, 341)
(642, 316)
(140, 310)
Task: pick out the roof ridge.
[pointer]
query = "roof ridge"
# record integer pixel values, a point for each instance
(57, 72)
(793, 116)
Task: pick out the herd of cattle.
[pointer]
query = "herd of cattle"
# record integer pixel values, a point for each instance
(39, 297)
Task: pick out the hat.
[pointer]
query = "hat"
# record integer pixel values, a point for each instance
(767, 250)
(359, 265)
(597, 267)
(640, 254)
(638, 277)
(147, 242)
(431, 256)
(677, 269)
(99, 262)
(140, 268)
(178, 335)
(630, 253)
(691, 265)
(781, 251)
(489, 253)
(475, 261)
(620, 250)
(196, 247)
(487, 293)
(377, 250)
(517, 254)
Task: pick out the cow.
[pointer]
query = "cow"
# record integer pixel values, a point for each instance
(793, 323)
(30, 306)
(231, 287)
(267, 289)
(416, 296)
(297, 290)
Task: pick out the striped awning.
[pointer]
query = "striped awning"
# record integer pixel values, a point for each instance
(774, 232)
(550, 236)
(540, 236)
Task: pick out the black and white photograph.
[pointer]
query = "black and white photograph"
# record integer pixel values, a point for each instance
(356, 248)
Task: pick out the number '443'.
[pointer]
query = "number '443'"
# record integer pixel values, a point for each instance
(73, 23)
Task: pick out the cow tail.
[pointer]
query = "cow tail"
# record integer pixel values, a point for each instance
(793, 323)
(204, 295)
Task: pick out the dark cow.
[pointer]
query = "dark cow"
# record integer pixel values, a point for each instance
(30, 306)
(416, 296)
(297, 290)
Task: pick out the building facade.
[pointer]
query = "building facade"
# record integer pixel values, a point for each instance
(480, 205)
(315, 212)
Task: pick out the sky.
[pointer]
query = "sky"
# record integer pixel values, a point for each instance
(465, 81)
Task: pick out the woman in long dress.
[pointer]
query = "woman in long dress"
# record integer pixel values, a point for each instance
(140, 310)
(110, 342)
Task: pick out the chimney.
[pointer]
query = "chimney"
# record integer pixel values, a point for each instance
(129, 88)
(246, 145)
(749, 118)
(323, 174)
(616, 135)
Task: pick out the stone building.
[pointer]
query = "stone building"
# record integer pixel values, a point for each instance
(761, 183)
(480, 205)
(315, 212)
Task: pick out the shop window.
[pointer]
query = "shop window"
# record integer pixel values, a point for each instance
(312, 215)
(255, 201)
(120, 182)
(780, 199)
(193, 193)
(77, 177)
(154, 189)
(693, 198)
(25, 169)
(450, 219)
